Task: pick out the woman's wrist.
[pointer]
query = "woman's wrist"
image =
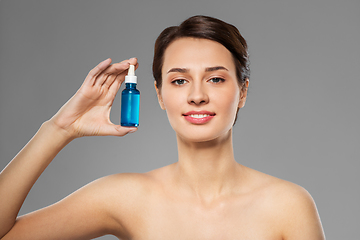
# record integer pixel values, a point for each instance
(60, 135)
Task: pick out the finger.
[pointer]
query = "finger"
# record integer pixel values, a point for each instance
(111, 72)
(121, 66)
(118, 130)
(90, 78)
(115, 85)
(133, 61)
(120, 77)
(125, 130)
(119, 71)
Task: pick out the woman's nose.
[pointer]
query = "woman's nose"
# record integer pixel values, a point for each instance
(198, 94)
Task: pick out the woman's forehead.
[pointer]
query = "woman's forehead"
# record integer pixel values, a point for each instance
(191, 53)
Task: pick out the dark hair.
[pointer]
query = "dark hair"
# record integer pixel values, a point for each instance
(204, 27)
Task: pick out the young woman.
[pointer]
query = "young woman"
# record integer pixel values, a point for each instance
(201, 78)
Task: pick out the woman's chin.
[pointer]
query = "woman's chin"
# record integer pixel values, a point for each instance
(203, 137)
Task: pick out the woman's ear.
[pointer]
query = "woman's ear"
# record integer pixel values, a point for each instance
(243, 93)
(158, 93)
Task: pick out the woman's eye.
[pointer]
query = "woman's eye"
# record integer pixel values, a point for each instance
(179, 81)
(217, 80)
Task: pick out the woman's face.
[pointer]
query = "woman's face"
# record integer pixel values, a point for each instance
(200, 92)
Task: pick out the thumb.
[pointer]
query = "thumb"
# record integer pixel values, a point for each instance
(119, 130)
(115, 130)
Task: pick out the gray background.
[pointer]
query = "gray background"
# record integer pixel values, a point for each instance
(300, 122)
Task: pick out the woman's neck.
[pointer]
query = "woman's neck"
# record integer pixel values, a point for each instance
(207, 169)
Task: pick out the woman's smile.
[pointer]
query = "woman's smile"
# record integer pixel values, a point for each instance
(199, 117)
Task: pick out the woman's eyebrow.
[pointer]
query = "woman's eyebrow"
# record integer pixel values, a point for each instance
(180, 70)
(211, 69)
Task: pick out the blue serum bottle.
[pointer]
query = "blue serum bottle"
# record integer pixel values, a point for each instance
(130, 100)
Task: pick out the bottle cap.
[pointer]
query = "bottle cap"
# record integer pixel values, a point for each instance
(131, 78)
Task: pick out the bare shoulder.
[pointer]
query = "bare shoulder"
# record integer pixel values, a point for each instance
(277, 189)
(285, 192)
(137, 182)
(290, 205)
(129, 187)
(131, 182)
(125, 187)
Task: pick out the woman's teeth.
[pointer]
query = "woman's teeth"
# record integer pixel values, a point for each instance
(199, 115)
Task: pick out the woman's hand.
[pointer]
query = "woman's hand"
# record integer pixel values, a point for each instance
(87, 113)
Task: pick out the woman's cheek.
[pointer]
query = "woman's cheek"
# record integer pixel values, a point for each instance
(171, 104)
(230, 104)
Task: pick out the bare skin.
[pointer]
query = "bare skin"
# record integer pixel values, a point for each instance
(206, 194)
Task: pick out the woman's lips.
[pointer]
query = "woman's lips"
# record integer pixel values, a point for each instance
(198, 117)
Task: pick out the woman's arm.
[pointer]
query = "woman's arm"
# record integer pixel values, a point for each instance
(22, 172)
(85, 114)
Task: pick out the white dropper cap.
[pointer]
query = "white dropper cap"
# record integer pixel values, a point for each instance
(131, 78)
